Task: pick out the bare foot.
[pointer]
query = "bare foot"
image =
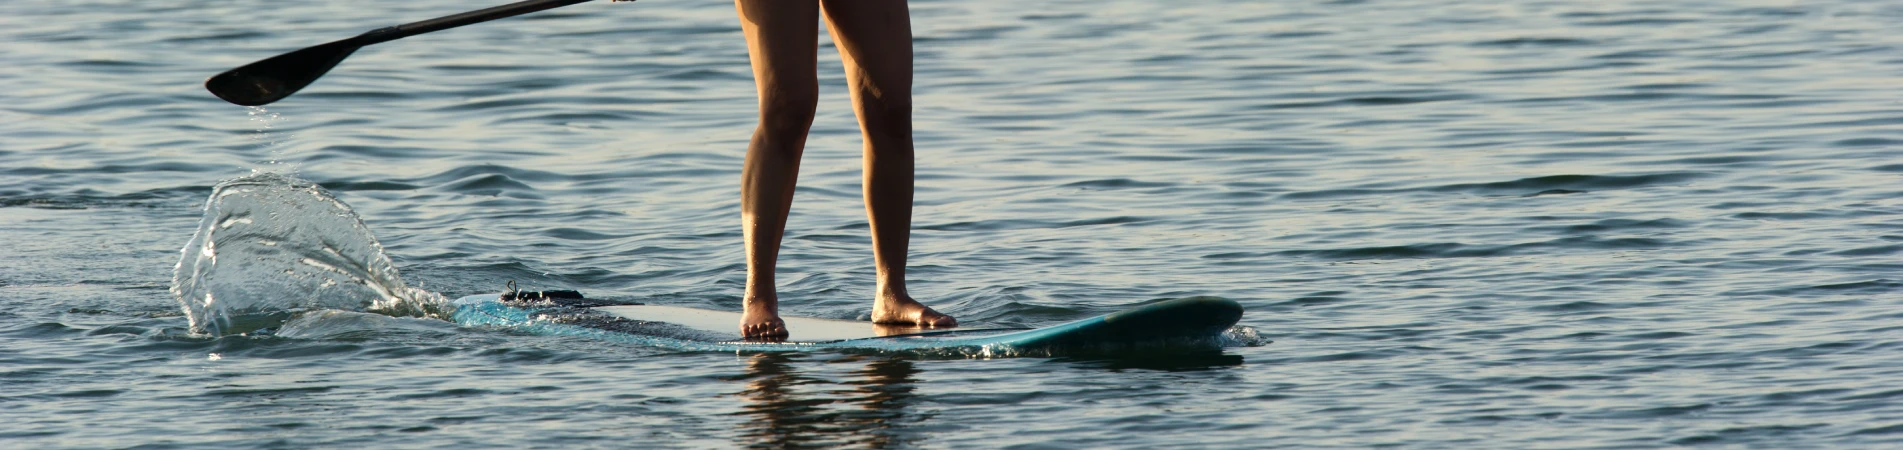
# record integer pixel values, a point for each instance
(760, 319)
(901, 309)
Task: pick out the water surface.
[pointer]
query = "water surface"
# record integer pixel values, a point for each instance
(1619, 224)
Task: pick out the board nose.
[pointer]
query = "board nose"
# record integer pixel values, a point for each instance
(1205, 314)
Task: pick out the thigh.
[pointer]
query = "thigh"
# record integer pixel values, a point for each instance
(875, 43)
(781, 43)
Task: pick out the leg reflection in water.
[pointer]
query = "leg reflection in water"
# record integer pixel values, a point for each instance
(790, 410)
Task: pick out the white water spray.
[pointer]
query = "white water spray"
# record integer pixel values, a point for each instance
(271, 246)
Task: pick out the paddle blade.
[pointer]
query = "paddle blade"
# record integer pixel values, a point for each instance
(277, 77)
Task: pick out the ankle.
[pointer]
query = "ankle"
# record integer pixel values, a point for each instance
(890, 291)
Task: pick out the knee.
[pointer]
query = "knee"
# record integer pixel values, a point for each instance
(887, 116)
(788, 111)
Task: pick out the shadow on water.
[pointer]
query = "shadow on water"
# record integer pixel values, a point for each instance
(790, 410)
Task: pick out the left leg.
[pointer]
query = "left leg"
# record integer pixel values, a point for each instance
(875, 43)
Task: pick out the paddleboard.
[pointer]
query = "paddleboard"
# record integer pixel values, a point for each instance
(1193, 322)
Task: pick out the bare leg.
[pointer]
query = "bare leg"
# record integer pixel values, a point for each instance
(875, 43)
(781, 44)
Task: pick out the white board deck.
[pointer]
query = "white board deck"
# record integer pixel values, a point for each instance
(1189, 322)
(799, 329)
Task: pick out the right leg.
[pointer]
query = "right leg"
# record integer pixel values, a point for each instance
(875, 46)
(782, 42)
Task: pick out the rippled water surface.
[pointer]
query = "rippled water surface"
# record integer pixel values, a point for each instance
(1465, 224)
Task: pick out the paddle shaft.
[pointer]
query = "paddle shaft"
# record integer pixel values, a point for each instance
(387, 34)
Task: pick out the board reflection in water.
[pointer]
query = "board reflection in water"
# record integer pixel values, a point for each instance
(789, 410)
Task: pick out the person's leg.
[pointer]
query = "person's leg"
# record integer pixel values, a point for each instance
(875, 43)
(781, 42)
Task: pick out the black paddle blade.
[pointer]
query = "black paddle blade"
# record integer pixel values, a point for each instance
(277, 77)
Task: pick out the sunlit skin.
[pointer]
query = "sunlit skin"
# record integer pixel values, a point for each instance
(874, 38)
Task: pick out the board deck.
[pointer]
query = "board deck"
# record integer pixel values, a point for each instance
(1177, 323)
(799, 329)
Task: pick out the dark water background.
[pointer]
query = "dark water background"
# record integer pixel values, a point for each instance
(1569, 224)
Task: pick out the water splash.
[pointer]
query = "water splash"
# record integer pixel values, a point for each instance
(1244, 336)
(264, 137)
(346, 325)
(271, 246)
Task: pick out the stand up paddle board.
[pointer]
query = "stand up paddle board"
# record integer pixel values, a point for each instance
(1193, 322)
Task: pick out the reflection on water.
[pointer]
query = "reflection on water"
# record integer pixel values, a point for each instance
(791, 410)
(794, 400)
(1176, 362)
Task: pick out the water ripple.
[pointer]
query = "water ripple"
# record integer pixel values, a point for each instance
(1464, 224)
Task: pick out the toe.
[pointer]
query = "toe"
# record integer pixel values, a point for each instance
(935, 319)
(764, 330)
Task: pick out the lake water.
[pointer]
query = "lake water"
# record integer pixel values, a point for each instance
(1465, 224)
